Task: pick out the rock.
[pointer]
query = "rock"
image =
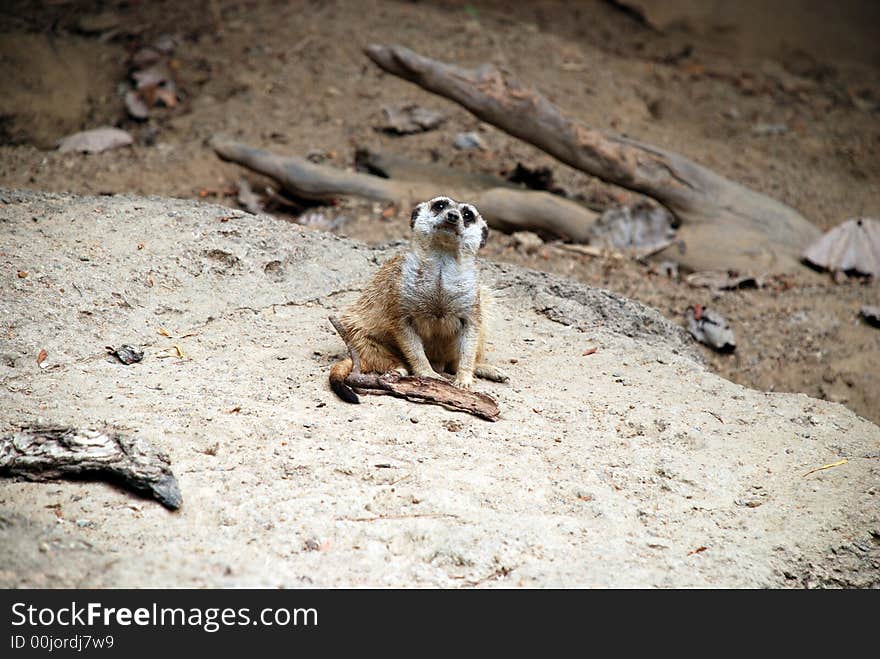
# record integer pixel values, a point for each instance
(127, 354)
(95, 140)
(409, 119)
(637, 229)
(526, 241)
(710, 328)
(469, 141)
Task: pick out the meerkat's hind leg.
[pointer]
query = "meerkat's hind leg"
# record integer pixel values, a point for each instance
(489, 372)
(376, 358)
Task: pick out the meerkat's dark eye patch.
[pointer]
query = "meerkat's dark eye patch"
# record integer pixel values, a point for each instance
(439, 205)
(468, 215)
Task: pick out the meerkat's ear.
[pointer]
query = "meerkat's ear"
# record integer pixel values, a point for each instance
(484, 237)
(414, 215)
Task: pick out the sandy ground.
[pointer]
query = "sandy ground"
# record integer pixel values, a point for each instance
(631, 466)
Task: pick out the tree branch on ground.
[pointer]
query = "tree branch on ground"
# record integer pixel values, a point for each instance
(42, 453)
(723, 224)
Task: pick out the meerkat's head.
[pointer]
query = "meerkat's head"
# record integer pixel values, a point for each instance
(444, 223)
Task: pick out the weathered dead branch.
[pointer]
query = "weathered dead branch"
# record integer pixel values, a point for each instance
(44, 453)
(416, 389)
(724, 224)
(503, 208)
(426, 390)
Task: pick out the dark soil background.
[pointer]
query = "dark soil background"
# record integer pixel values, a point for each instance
(781, 96)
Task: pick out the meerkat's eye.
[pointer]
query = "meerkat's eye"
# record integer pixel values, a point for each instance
(439, 205)
(468, 215)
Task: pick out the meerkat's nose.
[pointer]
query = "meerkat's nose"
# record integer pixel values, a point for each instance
(452, 217)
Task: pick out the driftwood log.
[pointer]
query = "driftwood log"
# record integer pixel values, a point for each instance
(44, 453)
(723, 224)
(415, 389)
(503, 208)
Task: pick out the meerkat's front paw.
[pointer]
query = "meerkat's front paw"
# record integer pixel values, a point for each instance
(464, 381)
(428, 373)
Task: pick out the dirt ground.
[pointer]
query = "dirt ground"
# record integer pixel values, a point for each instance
(632, 466)
(291, 77)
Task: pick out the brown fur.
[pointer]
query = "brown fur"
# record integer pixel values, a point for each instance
(415, 317)
(373, 325)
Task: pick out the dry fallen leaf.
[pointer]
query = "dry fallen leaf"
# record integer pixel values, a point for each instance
(126, 354)
(179, 351)
(163, 331)
(697, 551)
(408, 119)
(589, 351)
(22, 274)
(235, 409)
(42, 357)
(853, 246)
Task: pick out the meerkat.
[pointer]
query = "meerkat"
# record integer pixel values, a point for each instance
(425, 310)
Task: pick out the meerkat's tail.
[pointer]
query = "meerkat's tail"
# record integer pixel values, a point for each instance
(338, 373)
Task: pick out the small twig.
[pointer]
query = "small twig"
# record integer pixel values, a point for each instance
(828, 466)
(590, 250)
(715, 415)
(400, 480)
(381, 517)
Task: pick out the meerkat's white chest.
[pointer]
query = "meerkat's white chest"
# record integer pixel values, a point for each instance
(439, 288)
